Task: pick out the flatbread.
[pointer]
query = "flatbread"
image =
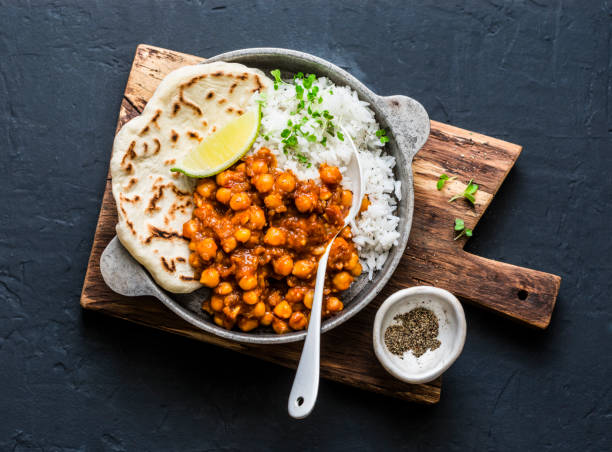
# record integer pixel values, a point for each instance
(153, 203)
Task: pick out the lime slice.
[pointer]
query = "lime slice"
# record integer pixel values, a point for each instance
(223, 148)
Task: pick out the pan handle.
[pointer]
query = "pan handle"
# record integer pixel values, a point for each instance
(409, 123)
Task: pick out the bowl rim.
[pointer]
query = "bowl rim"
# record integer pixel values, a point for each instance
(395, 254)
(460, 334)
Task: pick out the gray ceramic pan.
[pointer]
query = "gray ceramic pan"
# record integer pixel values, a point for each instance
(407, 124)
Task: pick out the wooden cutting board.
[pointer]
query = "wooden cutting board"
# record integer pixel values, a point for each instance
(431, 258)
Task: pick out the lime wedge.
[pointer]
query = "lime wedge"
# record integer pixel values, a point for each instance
(223, 148)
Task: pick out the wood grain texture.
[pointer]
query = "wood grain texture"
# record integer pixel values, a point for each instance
(432, 257)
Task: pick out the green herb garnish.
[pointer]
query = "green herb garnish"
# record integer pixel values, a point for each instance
(468, 193)
(340, 136)
(460, 227)
(276, 73)
(382, 136)
(442, 180)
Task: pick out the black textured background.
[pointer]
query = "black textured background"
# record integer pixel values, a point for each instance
(537, 73)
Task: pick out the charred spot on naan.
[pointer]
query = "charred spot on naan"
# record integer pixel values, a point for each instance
(160, 234)
(153, 121)
(130, 154)
(169, 267)
(130, 184)
(174, 136)
(159, 193)
(188, 278)
(124, 198)
(194, 135)
(175, 108)
(170, 162)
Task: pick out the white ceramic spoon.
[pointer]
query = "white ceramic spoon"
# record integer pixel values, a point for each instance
(306, 383)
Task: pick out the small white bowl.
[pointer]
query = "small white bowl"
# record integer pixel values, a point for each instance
(451, 333)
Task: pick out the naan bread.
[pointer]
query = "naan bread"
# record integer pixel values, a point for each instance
(153, 202)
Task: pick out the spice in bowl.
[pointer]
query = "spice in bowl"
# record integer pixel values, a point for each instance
(416, 331)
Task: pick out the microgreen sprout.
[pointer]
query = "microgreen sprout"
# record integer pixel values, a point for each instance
(277, 77)
(382, 136)
(461, 229)
(442, 180)
(468, 193)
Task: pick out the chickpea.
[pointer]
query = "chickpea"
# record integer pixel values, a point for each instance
(274, 298)
(223, 288)
(259, 310)
(352, 262)
(240, 201)
(242, 234)
(218, 319)
(248, 282)
(229, 244)
(273, 201)
(207, 248)
(206, 187)
(206, 307)
(247, 324)
(329, 174)
(342, 280)
(232, 313)
(347, 233)
(334, 304)
(191, 228)
(267, 319)
(224, 178)
(308, 297)
(295, 294)
(279, 326)
(303, 269)
(275, 236)
(241, 168)
(283, 265)
(297, 321)
(210, 277)
(356, 270)
(194, 260)
(325, 193)
(263, 182)
(216, 303)
(251, 296)
(318, 250)
(259, 166)
(192, 246)
(347, 198)
(304, 203)
(223, 195)
(283, 310)
(286, 182)
(257, 218)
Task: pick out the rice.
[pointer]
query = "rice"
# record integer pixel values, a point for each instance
(375, 230)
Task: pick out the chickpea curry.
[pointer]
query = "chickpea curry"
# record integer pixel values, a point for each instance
(256, 236)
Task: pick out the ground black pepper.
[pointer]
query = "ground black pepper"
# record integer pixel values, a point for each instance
(416, 330)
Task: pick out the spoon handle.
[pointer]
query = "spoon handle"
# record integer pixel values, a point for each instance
(306, 383)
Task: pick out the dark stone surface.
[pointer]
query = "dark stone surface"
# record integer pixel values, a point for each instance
(532, 72)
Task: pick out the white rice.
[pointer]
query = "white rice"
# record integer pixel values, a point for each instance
(375, 230)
